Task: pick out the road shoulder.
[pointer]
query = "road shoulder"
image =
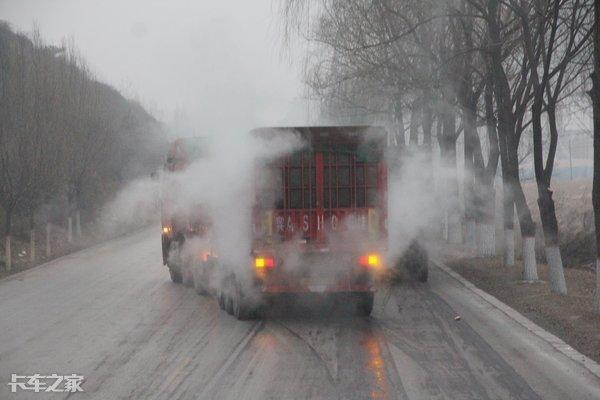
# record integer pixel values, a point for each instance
(547, 363)
(536, 330)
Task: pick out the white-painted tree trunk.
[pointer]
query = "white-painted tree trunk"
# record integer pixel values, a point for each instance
(486, 240)
(557, 273)
(70, 230)
(8, 252)
(509, 247)
(78, 223)
(471, 234)
(48, 243)
(32, 245)
(529, 262)
(597, 294)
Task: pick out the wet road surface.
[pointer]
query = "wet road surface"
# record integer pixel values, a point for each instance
(111, 314)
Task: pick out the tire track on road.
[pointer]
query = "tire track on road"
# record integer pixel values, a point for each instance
(233, 356)
(332, 379)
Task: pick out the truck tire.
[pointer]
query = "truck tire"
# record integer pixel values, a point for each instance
(174, 263)
(364, 303)
(226, 295)
(175, 275)
(228, 304)
(241, 309)
(416, 262)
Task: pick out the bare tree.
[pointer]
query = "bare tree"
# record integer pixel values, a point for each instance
(553, 34)
(62, 132)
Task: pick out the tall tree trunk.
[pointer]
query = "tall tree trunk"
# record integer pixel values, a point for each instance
(545, 201)
(448, 153)
(595, 94)
(526, 224)
(486, 238)
(415, 113)
(442, 181)
(509, 140)
(399, 116)
(508, 204)
(470, 176)
(427, 126)
(501, 91)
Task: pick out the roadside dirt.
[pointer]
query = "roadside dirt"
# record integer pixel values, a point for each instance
(569, 317)
(21, 257)
(60, 247)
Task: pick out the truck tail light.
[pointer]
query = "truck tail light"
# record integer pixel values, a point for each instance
(261, 263)
(370, 260)
(204, 255)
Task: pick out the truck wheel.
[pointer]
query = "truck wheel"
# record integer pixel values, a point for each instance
(227, 296)
(228, 304)
(175, 275)
(423, 274)
(176, 268)
(240, 307)
(364, 303)
(416, 262)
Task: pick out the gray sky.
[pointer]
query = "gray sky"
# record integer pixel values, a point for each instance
(217, 62)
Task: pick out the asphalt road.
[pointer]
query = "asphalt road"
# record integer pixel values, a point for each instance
(111, 314)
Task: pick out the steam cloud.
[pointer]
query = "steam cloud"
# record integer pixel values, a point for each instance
(223, 184)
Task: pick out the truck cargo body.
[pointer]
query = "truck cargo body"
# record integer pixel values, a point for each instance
(320, 217)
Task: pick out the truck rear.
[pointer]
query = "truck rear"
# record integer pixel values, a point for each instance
(319, 219)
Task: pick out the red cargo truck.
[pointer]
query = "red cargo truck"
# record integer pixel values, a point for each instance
(319, 220)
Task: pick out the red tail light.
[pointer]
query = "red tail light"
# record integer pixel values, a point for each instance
(261, 263)
(370, 260)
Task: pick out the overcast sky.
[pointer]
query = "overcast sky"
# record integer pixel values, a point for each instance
(218, 62)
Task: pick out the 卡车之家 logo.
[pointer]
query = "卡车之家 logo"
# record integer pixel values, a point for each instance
(46, 383)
